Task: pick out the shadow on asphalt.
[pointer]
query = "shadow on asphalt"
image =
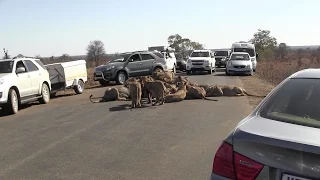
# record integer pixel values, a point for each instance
(21, 107)
(124, 107)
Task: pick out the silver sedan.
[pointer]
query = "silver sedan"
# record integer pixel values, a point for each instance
(279, 140)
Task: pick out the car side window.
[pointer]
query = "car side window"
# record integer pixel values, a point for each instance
(146, 57)
(20, 64)
(31, 66)
(134, 58)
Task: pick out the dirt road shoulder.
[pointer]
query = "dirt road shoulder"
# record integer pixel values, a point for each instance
(255, 85)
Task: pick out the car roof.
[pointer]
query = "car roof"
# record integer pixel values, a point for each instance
(17, 59)
(311, 73)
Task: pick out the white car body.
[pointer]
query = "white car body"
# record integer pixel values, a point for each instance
(27, 84)
(169, 55)
(246, 47)
(206, 63)
(238, 66)
(68, 75)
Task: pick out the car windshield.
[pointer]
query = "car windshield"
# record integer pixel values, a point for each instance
(240, 57)
(221, 53)
(297, 102)
(6, 66)
(199, 54)
(248, 50)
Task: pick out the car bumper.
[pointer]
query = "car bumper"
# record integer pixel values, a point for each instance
(198, 68)
(220, 63)
(239, 71)
(104, 75)
(3, 96)
(217, 177)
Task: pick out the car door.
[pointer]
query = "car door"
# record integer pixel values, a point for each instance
(147, 63)
(35, 76)
(23, 80)
(134, 65)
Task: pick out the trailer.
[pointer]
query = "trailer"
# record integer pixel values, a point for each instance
(68, 75)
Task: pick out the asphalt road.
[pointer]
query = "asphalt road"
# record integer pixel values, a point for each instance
(72, 138)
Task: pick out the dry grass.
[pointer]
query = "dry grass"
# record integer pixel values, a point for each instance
(276, 71)
(91, 83)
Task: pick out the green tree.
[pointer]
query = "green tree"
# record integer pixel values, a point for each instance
(95, 51)
(183, 45)
(265, 43)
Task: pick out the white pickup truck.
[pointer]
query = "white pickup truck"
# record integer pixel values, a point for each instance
(26, 79)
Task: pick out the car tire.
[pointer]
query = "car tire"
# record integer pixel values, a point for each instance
(104, 83)
(12, 106)
(188, 72)
(210, 71)
(79, 88)
(45, 94)
(121, 77)
(254, 70)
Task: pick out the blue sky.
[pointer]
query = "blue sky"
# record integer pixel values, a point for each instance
(54, 27)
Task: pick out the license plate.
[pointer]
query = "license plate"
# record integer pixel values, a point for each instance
(291, 177)
(197, 66)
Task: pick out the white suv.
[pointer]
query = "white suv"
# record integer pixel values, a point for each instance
(201, 60)
(23, 80)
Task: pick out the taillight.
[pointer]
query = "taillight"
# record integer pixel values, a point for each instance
(233, 165)
(223, 161)
(246, 169)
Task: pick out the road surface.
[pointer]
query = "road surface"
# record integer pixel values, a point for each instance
(72, 138)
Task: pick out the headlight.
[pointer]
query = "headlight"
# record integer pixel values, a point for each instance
(253, 59)
(247, 66)
(109, 68)
(188, 61)
(223, 59)
(1, 81)
(206, 62)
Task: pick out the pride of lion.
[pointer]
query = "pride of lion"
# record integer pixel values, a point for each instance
(165, 88)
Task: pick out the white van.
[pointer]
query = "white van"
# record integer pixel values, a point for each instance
(201, 60)
(243, 46)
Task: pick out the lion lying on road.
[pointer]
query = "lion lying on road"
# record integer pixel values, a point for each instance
(194, 92)
(113, 94)
(180, 95)
(225, 90)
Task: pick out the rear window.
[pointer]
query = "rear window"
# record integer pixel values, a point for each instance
(297, 102)
(159, 55)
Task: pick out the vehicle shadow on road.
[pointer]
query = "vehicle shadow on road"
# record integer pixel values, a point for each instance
(21, 107)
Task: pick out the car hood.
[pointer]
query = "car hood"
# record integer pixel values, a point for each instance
(200, 58)
(109, 65)
(240, 63)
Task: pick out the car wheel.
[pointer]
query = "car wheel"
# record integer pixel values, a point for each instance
(12, 106)
(210, 71)
(157, 69)
(45, 93)
(79, 88)
(188, 72)
(254, 70)
(104, 83)
(121, 77)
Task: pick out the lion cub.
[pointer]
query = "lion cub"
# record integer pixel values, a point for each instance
(135, 93)
(155, 88)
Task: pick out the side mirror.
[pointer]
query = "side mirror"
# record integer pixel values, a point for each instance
(20, 70)
(257, 55)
